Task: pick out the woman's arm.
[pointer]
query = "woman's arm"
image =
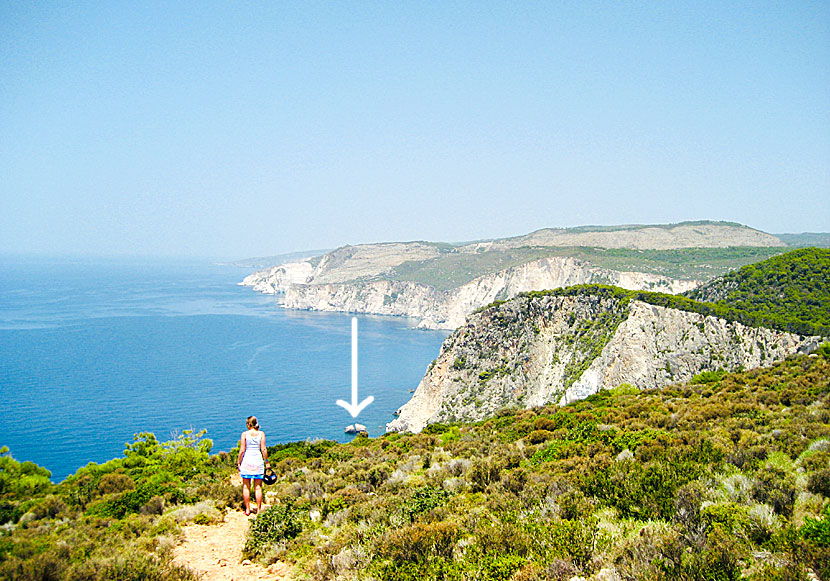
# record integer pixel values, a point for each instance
(264, 449)
(241, 450)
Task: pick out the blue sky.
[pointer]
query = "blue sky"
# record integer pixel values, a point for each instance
(244, 129)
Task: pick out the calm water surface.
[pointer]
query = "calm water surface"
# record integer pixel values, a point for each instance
(94, 351)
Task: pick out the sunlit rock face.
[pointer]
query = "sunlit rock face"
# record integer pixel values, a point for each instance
(363, 279)
(445, 309)
(533, 351)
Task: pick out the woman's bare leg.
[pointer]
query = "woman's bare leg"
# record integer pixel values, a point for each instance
(258, 492)
(246, 494)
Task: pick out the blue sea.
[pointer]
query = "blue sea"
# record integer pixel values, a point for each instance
(93, 351)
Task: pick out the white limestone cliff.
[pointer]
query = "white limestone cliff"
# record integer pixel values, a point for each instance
(278, 279)
(366, 278)
(448, 309)
(534, 351)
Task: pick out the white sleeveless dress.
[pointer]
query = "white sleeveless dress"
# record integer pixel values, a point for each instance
(253, 466)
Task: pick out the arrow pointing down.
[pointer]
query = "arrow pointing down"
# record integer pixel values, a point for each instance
(354, 408)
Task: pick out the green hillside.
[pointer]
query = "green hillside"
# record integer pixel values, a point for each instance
(820, 239)
(791, 290)
(452, 269)
(726, 477)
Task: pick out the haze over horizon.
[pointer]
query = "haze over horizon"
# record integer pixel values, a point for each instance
(235, 132)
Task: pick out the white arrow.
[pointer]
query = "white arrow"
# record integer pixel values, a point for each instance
(354, 408)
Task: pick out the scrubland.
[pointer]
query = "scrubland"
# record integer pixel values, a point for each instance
(726, 477)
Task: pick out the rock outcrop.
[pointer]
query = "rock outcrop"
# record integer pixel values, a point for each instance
(278, 279)
(532, 351)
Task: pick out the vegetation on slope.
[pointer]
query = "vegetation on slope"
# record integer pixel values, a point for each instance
(793, 289)
(756, 317)
(117, 520)
(727, 477)
(820, 239)
(624, 227)
(452, 268)
(790, 292)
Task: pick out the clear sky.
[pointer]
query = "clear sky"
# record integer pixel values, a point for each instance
(247, 129)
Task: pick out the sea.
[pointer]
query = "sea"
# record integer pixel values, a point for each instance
(94, 351)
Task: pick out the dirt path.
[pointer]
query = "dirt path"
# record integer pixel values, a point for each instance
(215, 552)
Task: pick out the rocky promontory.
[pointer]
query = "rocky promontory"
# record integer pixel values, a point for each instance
(557, 348)
(439, 284)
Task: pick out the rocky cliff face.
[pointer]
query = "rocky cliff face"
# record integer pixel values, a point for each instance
(278, 279)
(529, 352)
(448, 309)
(346, 264)
(365, 278)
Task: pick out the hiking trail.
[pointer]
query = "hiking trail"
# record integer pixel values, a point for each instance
(214, 551)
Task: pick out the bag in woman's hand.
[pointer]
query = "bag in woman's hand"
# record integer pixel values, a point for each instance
(270, 477)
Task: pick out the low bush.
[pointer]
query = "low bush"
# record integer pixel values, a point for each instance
(817, 530)
(423, 500)
(689, 482)
(275, 524)
(819, 482)
(115, 482)
(539, 436)
(421, 542)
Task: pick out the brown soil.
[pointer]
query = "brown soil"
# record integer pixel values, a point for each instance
(215, 552)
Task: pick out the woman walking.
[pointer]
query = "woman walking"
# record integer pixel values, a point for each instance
(252, 461)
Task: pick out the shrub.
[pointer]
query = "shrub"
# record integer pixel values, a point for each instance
(495, 567)
(22, 478)
(191, 512)
(539, 436)
(772, 572)
(205, 518)
(436, 428)
(275, 524)
(514, 481)
(10, 512)
(637, 490)
(419, 542)
(49, 507)
(423, 500)
(574, 506)
(377, 476)
(115, 482)
(437, 569)
(545, 424)
(733, 518)
(132, 501)
(483, 473)
(153, 506)
(708, 377)
(561, 570)
(222, 492)
(777, 488)
(819, 482)
(718, 560)
(130, 566)
(818, 530)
